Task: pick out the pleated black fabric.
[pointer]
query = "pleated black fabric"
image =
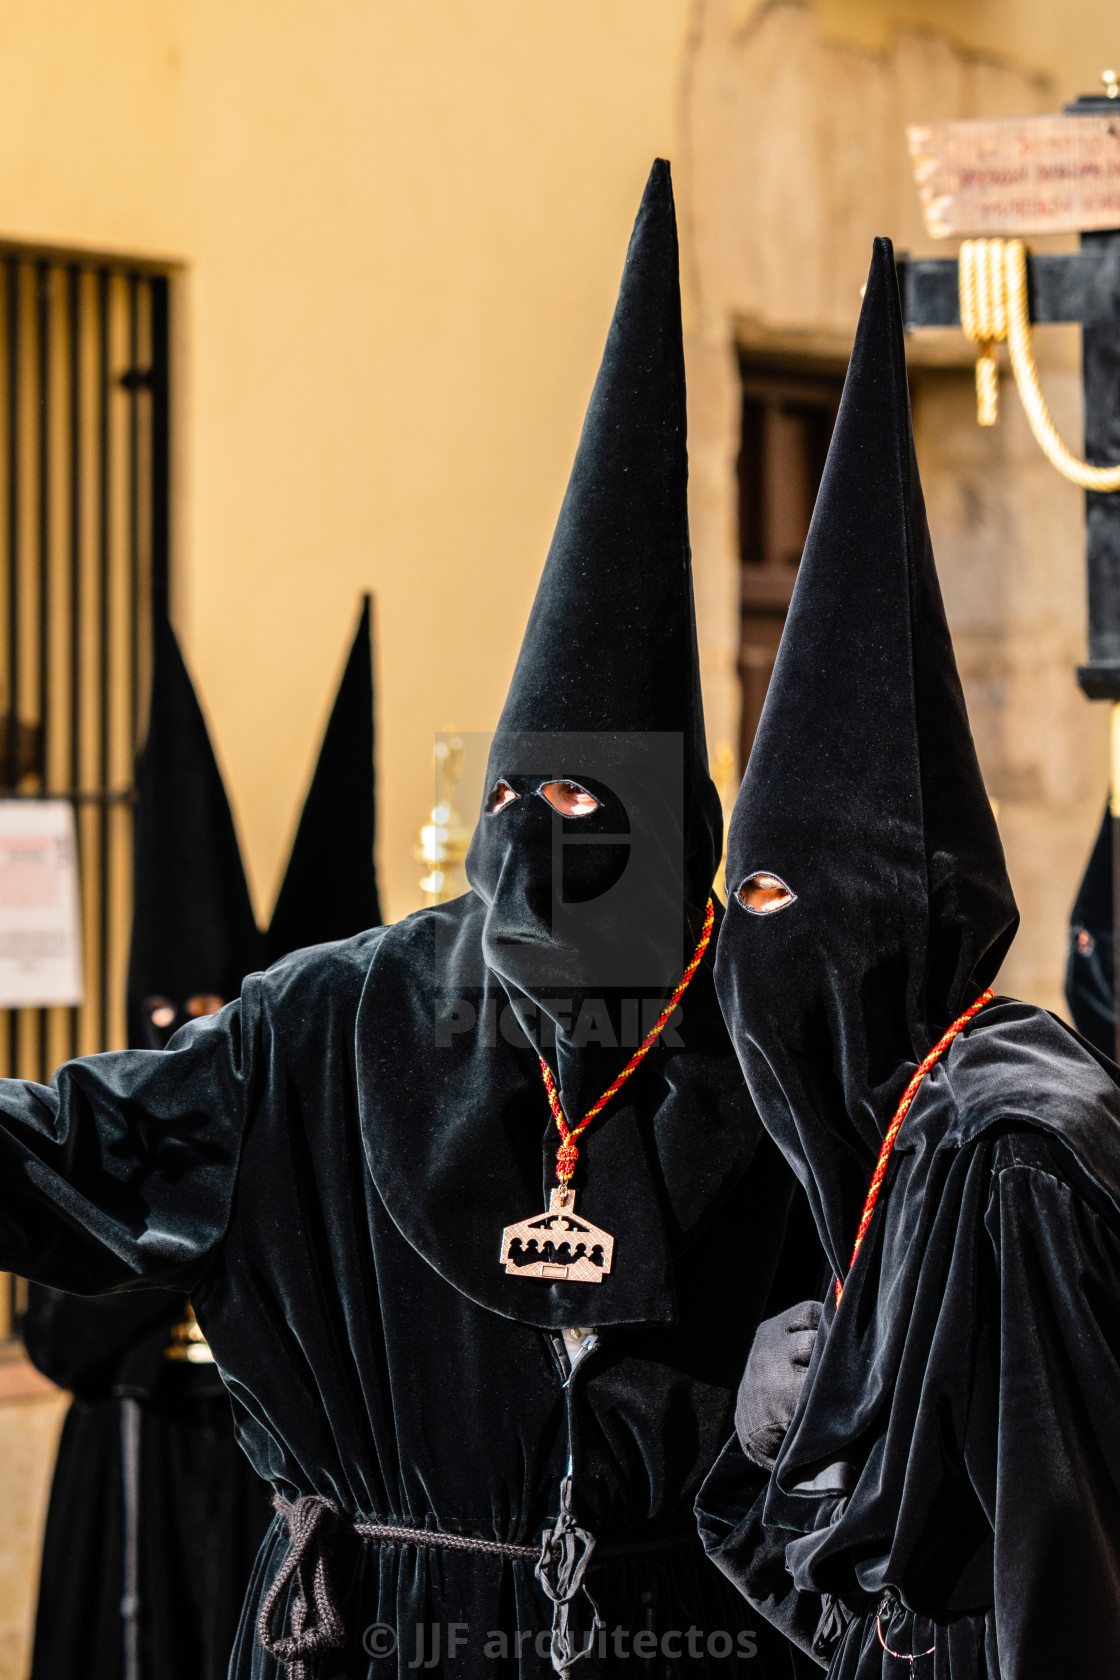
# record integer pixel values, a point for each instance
(1089, 973)
(949, 1489)
(203, 1510)
(956, 1440)
(242, 1164)
(193, 931)
(328, 1163)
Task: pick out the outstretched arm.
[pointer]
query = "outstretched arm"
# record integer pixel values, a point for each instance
(120, 1172)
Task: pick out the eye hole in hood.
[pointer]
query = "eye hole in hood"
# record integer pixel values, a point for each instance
(500, 795)
(764, 894)
(569, 798)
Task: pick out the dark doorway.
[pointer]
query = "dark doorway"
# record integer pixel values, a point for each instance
(788, 415)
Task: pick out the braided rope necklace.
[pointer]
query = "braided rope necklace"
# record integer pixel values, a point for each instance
(900, 1114)
(557, 1244)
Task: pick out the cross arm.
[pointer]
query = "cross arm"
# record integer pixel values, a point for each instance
(1082, 286)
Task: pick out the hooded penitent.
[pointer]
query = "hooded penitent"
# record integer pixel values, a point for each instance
(579, 925)
(586, 911)
(155, 1515)
(199, 1508)
(864, 796)
(330, 888)
(194, 935)
(945, 1467)
(1089, 973)
(330, 1163)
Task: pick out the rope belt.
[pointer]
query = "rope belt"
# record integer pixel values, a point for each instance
(315, 1623)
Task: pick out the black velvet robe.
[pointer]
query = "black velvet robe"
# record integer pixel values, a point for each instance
(202, 1509)
(956, 1452)
(331, 1189)
(958, 1436)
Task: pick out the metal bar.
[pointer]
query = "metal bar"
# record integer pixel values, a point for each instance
(161, 441)
(44, 251)
(12, 299)
(43, 334)
(1100, 378)
(74, 312)
(1083, 286)
(103, 671)
(84, 796)
(133, 508)
(1114, 823)
(1114, 836)
(11, 754)
(131, 1426)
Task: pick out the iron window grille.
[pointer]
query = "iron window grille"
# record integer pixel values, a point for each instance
(84, 538)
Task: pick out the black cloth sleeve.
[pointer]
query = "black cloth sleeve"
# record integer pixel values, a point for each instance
(752, 1555)
(78, 1341)
(120, 1173)
(1057, 1524)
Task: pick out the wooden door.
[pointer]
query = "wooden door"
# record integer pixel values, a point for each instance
(788, 415)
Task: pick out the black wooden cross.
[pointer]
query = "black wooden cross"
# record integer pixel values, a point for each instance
(1082, 287)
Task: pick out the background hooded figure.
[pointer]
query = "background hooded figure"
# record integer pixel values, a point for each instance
(1090, 989)
(155, 1514)
(949, 1488)
(329, 1163)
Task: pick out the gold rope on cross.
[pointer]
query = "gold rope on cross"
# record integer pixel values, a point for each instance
(992, 280)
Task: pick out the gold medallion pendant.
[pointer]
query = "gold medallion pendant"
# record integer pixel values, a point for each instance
(557, 1245)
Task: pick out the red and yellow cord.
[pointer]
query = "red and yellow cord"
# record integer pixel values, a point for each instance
(567, 1155)
(900, 1114)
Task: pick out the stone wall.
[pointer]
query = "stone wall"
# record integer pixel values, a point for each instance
(795, 158)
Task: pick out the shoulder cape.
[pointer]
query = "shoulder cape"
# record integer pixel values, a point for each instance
(1016, 1068)
(460, 1142)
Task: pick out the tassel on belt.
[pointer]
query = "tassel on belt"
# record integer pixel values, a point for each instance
(315, 1623)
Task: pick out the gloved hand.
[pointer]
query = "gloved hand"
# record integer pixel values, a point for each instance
(773, 1380)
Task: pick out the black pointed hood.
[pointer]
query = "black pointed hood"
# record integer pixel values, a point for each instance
(578, 926)
(194, 936)
(611, 639)
(330, 885)
(864, 796)
(606, 692)
(1089, 975)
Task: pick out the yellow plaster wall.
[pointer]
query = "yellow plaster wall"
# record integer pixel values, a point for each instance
(402, 227)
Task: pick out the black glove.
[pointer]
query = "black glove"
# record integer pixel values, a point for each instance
(773, 1379)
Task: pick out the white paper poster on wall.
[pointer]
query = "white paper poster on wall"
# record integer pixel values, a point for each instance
(40, 916)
